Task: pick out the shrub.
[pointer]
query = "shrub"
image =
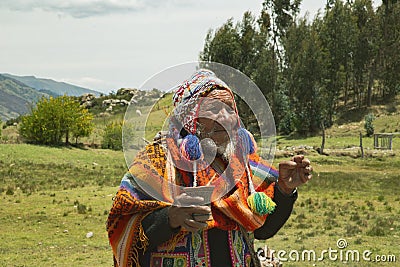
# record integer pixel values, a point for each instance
(112, 137)
(352, 230)
(381, 226)
(82, 208)
(368, 125)
(376, 230)
(10, 191)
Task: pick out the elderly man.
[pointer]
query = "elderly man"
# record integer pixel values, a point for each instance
(154, 221)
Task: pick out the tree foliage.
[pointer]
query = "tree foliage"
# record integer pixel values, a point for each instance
(53, 120)
(112, 137)
(311, 71)
(304, 81)
(115, 134)
(369, 124)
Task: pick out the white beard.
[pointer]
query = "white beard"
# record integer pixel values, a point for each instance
(226, 150)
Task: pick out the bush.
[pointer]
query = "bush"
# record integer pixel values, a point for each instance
(53, 119)
(381, 226)
(112, 138)
(10, 191)
(368, 125)
(81, 209)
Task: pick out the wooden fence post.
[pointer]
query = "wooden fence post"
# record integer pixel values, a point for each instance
(323, 139)
(361, 146)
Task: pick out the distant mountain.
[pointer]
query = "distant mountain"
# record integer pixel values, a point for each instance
(15, 97)
(52, 87)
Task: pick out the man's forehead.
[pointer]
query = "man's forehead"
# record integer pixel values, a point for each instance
(223, 96)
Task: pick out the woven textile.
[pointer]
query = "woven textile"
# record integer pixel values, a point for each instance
(148, 171)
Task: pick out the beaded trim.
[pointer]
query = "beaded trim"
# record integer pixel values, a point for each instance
(169, 260)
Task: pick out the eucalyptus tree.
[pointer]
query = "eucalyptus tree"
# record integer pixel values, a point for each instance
(305, 72)
(338, 36)
(223, 45)
(389, 67)
(283, 14)
(366, 53)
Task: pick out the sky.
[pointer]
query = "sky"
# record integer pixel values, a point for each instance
(105, 45)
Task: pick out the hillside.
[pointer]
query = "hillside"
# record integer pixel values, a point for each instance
(48, 85)
(343, 137)
(15, 97)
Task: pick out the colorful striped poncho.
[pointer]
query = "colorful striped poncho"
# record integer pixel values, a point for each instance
(147, 187)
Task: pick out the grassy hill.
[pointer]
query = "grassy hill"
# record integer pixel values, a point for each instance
(49, 85)
(15, 97)
(18, 92)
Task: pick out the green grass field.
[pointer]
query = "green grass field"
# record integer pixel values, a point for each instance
(352, 199)
(51, 198)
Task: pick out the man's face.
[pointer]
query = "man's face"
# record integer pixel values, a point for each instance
(217, 118)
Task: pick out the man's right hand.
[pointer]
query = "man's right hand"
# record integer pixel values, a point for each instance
(189, 213)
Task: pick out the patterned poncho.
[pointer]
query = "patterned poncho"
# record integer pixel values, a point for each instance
(132, 204)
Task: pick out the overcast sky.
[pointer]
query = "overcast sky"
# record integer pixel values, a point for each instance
(108, 44)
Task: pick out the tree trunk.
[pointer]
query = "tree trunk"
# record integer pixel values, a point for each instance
(370, 83)
(67, 138)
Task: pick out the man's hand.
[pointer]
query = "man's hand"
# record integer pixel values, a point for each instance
(192, 217)
(294, 173)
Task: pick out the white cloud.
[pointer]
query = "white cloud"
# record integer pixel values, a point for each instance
(81, 8)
